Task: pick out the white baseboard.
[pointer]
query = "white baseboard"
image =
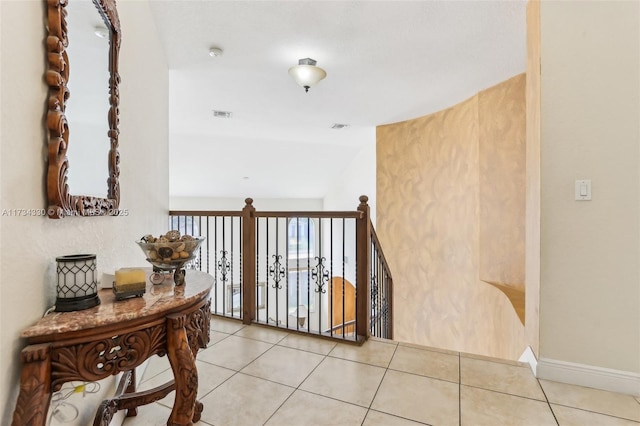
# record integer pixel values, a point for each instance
(530, 358)
(589, 376)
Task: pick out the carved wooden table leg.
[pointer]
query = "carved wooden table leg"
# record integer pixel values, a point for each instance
(183, 365)
(131, 388)
(197, 412)
(35, 386)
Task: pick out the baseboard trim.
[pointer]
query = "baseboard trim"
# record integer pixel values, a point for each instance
(530, 358)
(589, 376)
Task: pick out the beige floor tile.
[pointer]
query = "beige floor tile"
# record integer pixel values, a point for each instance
(418, 398)
(599, 401)
(157, 364)
(264, 334)
(380, 340)
(243, 400)
(309, 344)
(492, 359)
(345, 380)
(426, 363)
(209, 377)
(479, 407)
(376, 418)
(429, 348)
(573, 417)
(234, 352)
(284, 365)
(371, 352)
(216, 336)
(307, 409)
(507, 378)
(149, 415)
(226, 325)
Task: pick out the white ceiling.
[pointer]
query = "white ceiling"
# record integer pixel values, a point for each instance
(386, 61)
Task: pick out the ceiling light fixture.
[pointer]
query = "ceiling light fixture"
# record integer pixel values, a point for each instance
(214, 52)
(306, 73)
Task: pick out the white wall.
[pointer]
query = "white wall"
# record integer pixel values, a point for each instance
(30, 244)
(358, 178)
(237, 204)
(590, 129)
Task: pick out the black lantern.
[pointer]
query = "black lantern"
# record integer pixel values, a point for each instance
(77, 287)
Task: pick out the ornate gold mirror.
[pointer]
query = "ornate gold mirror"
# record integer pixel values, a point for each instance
(59, 194)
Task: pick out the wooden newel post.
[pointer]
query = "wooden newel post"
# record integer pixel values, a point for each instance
(363, 270)
(248, 262)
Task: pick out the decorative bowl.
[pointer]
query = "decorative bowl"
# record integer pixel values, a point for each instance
(170, 256)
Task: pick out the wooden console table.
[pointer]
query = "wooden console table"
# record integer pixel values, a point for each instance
(115, 337)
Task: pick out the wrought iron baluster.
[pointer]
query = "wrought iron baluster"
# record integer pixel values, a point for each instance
(207, 242)
(266, 265)
(331, 324)
(374, 299)
(308, 254)
(276, 271)
(257, 255)
(224, 266)
(326, 272)
(320, 275)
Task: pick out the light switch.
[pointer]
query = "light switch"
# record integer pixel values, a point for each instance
(583, 190)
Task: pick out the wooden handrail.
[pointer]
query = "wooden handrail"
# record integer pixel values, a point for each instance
(309, 214)
(312, 214)
(232, 213)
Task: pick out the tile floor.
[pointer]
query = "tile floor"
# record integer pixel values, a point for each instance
(260, 376)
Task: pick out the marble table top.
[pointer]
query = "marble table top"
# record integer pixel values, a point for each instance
(156, 300)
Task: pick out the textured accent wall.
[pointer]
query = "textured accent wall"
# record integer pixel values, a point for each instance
(532, 251)
(428, 189)
(501, 139)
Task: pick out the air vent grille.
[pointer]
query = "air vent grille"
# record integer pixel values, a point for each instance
(222, 114)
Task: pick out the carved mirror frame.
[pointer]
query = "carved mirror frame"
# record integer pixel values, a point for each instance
(61, 202)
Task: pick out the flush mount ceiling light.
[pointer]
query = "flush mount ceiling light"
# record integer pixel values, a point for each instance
(214, 52)
(306, 73)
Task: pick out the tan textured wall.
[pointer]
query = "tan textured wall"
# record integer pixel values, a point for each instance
(532, 252)
(428, 223)
(501, 138)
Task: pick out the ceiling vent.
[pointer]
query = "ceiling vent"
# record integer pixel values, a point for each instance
(339, 126)
(222, 114)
